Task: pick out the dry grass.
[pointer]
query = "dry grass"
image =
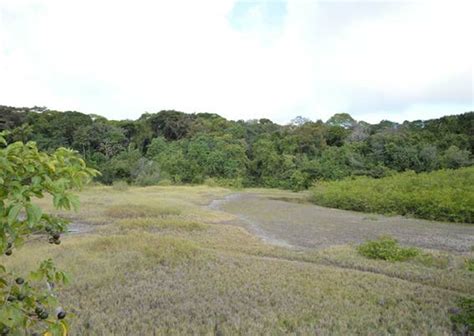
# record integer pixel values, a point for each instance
(166, 223)
(158, 262)
(140, 211)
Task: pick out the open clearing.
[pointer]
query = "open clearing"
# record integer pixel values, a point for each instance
(287, 220)
(160, 260)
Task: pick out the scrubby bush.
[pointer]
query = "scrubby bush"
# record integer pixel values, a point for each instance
(120, 185)
(463, 317)
(470, 264)
(441, 195)
(146, 172)
(235, 183)
(386, 248)
(165, 182)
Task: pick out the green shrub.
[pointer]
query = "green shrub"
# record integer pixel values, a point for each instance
(463, 317)
(235, 183)
(211, 182)
(386, 248)
(120, 185)
(147, 180)
(165, 182)
(441, 195)
(146, 173)
(470, 264)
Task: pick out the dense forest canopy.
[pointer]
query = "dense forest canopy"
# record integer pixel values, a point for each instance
(176, 147)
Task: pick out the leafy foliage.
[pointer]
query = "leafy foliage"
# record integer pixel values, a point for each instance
(27, 302)
(192, 148)
(386, 248)
(441, 195)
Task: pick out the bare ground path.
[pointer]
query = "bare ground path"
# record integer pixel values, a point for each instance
(287, 221)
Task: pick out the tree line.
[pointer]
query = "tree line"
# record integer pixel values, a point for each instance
(176, 147)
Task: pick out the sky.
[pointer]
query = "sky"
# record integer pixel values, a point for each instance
(395, 60)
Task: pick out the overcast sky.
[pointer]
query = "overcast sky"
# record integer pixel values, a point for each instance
(376, 60)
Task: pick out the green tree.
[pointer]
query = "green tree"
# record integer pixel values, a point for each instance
(120, 167)
(342, 119)
(173, 125)
(265, 163)
(27, 301)
(157, 146)
(455, 158)
(336, 135)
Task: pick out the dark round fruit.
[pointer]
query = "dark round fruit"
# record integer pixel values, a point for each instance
(11, 298)
(56, 236)
(20, 281)
(61, 315)
(51, 240)
(44, 315)
(8, 252)
(21, 297)
(57, 241)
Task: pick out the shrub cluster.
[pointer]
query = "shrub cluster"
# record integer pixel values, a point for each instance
(386, 248)
(463, 317)
(441, 195)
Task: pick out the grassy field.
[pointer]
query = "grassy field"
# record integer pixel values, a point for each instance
(159, 260)
(446, 195)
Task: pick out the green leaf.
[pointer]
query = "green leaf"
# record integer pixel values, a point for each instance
(33, 213)
(66, 278)
(36, 180)
(13, 213)
(56, 329)
(74, 201)
(36, 276)
(11, 316)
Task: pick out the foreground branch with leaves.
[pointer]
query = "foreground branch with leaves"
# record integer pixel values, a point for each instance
(28, 304)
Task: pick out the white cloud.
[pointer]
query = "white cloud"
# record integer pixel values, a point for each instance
(391, 60)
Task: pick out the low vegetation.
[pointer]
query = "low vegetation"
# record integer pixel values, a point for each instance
(470, 264)
(140, 267)
(463, 316)
(445, 195)
(387, 248)
(140, 211)
(166, 260)
(171, 222)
